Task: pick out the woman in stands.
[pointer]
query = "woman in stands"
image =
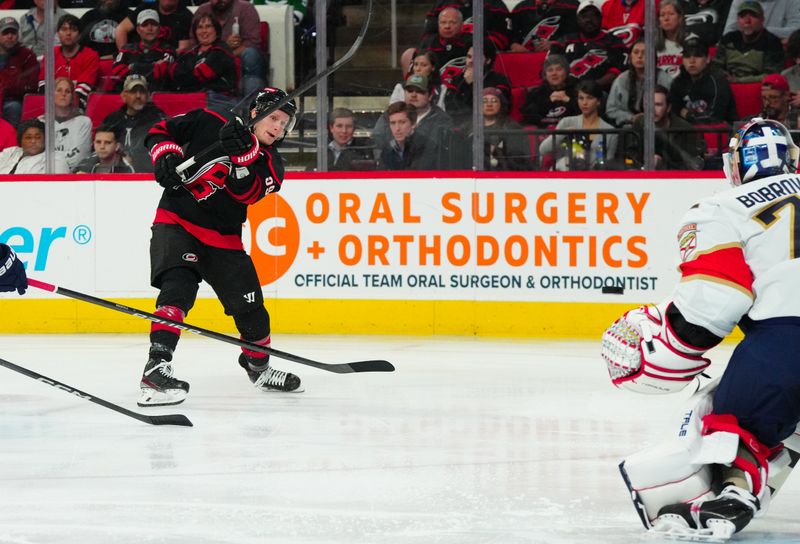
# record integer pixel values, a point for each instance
(554, 99)
(625, 97)
(670, 34)
(424, 63)
(210, 66)
(28, 156)
(73, 130)
(505, 148)
(582, 151)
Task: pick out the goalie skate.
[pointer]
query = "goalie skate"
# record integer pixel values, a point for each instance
(159, 387)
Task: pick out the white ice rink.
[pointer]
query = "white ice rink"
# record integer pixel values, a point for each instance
(469, 441)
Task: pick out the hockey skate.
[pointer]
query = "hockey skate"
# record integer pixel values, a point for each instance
(159, 387)
(713, 520)
(266, 378)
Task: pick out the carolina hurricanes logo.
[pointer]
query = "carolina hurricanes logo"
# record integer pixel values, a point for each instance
(544, 29)
(190, 257)
(588, 62)
(557, 112)
(627, 33)
(701, 17)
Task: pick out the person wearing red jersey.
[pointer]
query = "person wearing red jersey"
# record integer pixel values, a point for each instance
(197, 233)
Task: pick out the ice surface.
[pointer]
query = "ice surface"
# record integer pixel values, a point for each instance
(470, 441)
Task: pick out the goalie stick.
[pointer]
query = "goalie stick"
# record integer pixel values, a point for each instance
(171, 419)
(376, 365)
(211, 151)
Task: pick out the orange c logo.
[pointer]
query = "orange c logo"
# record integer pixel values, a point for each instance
(274, 237)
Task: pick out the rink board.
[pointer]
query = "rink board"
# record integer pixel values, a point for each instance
(376, 253)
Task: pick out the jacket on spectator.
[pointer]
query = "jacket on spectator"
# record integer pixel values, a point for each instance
(135, 58)
(133, 131)
(678, 150)
(457, 97)
(195, 70)
(12, 162)
(247, 16)
(533, 20)
(82, 69)
(19, 75)
(436, 125)
(591, 58)
(748, 62)
(781, 17)
(99, 28)
(357, 150)
(592, 149)
(73, 139)
(501, 150)
(92, 165)
(447, 50)
(541, 111)
(707, 100)
(31, 33)
(419, 153)
(706, 22)
(618, 107)
(792, 76)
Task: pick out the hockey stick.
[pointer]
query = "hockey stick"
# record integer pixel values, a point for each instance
(172, 419)
(211, 152)
(377, 365)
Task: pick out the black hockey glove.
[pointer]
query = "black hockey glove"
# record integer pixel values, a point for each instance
(167, 156)
(238, 142)
(12, 272)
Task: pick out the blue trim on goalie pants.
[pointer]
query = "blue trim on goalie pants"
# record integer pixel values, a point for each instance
(761, 385)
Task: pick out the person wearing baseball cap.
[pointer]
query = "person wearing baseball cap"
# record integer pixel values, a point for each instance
(173, 18)
(780, 17)
(775, 101)
(20, 72)
(149, 55)
(751, 51)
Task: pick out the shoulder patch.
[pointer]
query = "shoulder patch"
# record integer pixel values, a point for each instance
(687, 241)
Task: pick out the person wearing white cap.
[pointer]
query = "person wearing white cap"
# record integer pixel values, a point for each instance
(175, 22)
(148, 56)
(19, 73)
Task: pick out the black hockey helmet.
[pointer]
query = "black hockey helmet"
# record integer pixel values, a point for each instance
(269, 96)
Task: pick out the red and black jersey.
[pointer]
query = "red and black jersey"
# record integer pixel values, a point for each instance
(211, 70)
(214, 206)
(496, 17)
(447, 50)
(172, 27)
(81, 68)
(136, 58)
(591, 58)
(541, 20)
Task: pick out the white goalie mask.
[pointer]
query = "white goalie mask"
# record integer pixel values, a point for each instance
(761, 148)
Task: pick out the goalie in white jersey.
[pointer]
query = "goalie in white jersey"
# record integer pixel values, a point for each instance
(740, 252)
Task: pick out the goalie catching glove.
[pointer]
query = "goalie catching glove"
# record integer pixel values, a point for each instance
(645, 355)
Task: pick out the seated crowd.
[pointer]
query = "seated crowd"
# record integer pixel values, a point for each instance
(117, 50)
(583, 110)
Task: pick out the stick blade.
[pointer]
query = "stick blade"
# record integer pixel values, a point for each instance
(376, 365)
(170, 419)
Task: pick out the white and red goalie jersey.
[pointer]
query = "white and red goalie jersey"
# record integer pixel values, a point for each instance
(739, 252)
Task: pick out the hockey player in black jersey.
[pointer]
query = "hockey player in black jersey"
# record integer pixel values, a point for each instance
(197, 233)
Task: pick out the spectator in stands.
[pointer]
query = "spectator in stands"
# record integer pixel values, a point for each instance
(344, 151)
(582, 151)
(505, 146)
(555, 98)
(537, 24)
(28, 156)
(750, 52)
(624, 19)
(670, 36)
(73, 130)
(705, 19)
(496, 19)
(450, 43)
(31, 26)
(8, 135)
(147, 55)
(424, 63)
(678, 146)
(107, 157)
(100, 26)
(792, 74)
(781, 17)
(776, 101)
(19, 70)
(175, 23)
(701, 93)
(457, 97)
(209, 66)
(133, 120)
(240, 16)
(406, 150)
(592, 52)
(431, 121)
(625, 97)
(73, 60)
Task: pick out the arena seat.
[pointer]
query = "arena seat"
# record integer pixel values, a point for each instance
(521, 69)
(747, 97)
(517, 100)
(100, 105)
(105, 78)
(32, 106)
(177, 103)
